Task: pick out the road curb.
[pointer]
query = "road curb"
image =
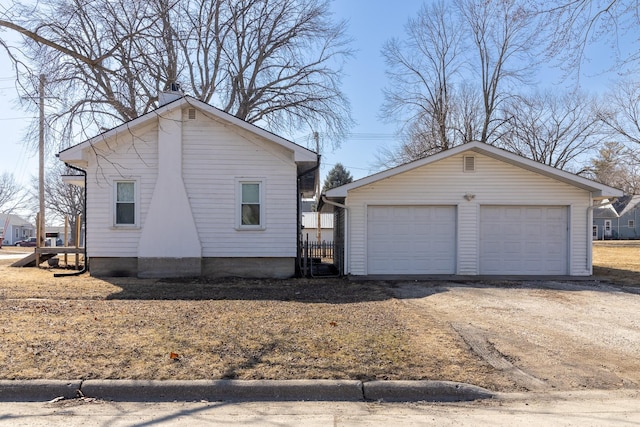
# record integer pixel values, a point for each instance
(37, 390)
(224, 390)
(242, 390)
(430, 391)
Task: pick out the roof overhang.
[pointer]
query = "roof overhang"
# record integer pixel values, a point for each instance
(597, 190)
(77, 180)
(77, 155)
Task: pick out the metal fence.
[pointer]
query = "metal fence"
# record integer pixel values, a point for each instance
(315, 255)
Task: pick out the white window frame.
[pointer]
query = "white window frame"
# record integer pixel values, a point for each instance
(594, 232)
(136, 203)
(608, 232)
(261, 192)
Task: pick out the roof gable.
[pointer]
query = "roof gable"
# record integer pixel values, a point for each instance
(626, 204)
(14, 220)
(598, 190)
(301, 154)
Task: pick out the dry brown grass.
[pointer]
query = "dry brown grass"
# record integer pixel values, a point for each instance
(617, 261)
(83, 327)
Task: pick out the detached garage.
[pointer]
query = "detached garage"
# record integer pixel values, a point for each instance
(472, 210)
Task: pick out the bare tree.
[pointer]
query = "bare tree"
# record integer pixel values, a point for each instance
(61, 199)
(621, 114)
(574, 25)
(422, 70)
(453, 71)
(552, 129)
(504, 35)
(275, 62)
(12, 196)
(617, 166)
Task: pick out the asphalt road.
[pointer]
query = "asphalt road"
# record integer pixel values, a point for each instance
(591, 408)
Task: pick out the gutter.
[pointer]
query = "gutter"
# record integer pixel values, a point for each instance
(346, 229)
(590, 231)
(85, 266)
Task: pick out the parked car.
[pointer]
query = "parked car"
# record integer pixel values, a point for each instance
(29, 242)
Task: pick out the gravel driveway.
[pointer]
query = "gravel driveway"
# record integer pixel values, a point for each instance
(542, 335)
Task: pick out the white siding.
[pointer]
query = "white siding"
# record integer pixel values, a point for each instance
(132, 156)
(444, 183)
(214, 157)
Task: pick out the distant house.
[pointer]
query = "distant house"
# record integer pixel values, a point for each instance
(15, 228)
(189, 190)
(618, 220)
(471, 210)
(310, 227)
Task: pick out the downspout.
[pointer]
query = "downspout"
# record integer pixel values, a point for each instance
(346, 229)
(85, 266)
(590, 232)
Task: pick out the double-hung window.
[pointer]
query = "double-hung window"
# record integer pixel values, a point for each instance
(125, 203)
(251, 213)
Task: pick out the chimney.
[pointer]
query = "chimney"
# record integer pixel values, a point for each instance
(171, 95)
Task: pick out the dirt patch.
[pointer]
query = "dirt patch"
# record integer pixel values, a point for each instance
(562, 336)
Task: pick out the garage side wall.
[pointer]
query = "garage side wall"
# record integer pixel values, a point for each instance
(493, 182)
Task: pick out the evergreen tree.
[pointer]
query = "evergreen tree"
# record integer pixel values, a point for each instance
(336, 177)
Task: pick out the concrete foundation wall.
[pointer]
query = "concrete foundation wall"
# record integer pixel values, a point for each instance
(279, 268)
(169, 267)
(113, 267)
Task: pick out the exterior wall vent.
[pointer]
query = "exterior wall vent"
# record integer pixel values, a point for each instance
(191, 113)
(469, 164)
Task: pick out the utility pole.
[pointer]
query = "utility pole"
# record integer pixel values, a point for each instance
(319, 228)
(41, 223)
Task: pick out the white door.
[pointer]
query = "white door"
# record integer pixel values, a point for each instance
(523, 240)
(411, 240)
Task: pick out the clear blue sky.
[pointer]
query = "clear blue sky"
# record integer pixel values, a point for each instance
(371, 23)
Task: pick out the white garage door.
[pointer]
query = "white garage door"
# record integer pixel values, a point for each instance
(411, 240)
(523, 240)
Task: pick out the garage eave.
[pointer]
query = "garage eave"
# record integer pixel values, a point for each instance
(598, 190)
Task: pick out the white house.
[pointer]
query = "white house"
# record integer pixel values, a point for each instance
(472, 210)
(15, 228)
(189, 190)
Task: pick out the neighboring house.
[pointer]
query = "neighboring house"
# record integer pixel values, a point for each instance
(310, 227)
(472, 210)
(189, 190)
(604, 216)
(618, 220)
(15, 228)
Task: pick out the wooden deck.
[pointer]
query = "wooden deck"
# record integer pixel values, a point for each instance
(47, 253)
(59, 250)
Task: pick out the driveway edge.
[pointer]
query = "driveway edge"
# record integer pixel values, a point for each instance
(241, 390)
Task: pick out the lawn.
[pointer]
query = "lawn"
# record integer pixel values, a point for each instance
(618, 261)
(83, 328)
